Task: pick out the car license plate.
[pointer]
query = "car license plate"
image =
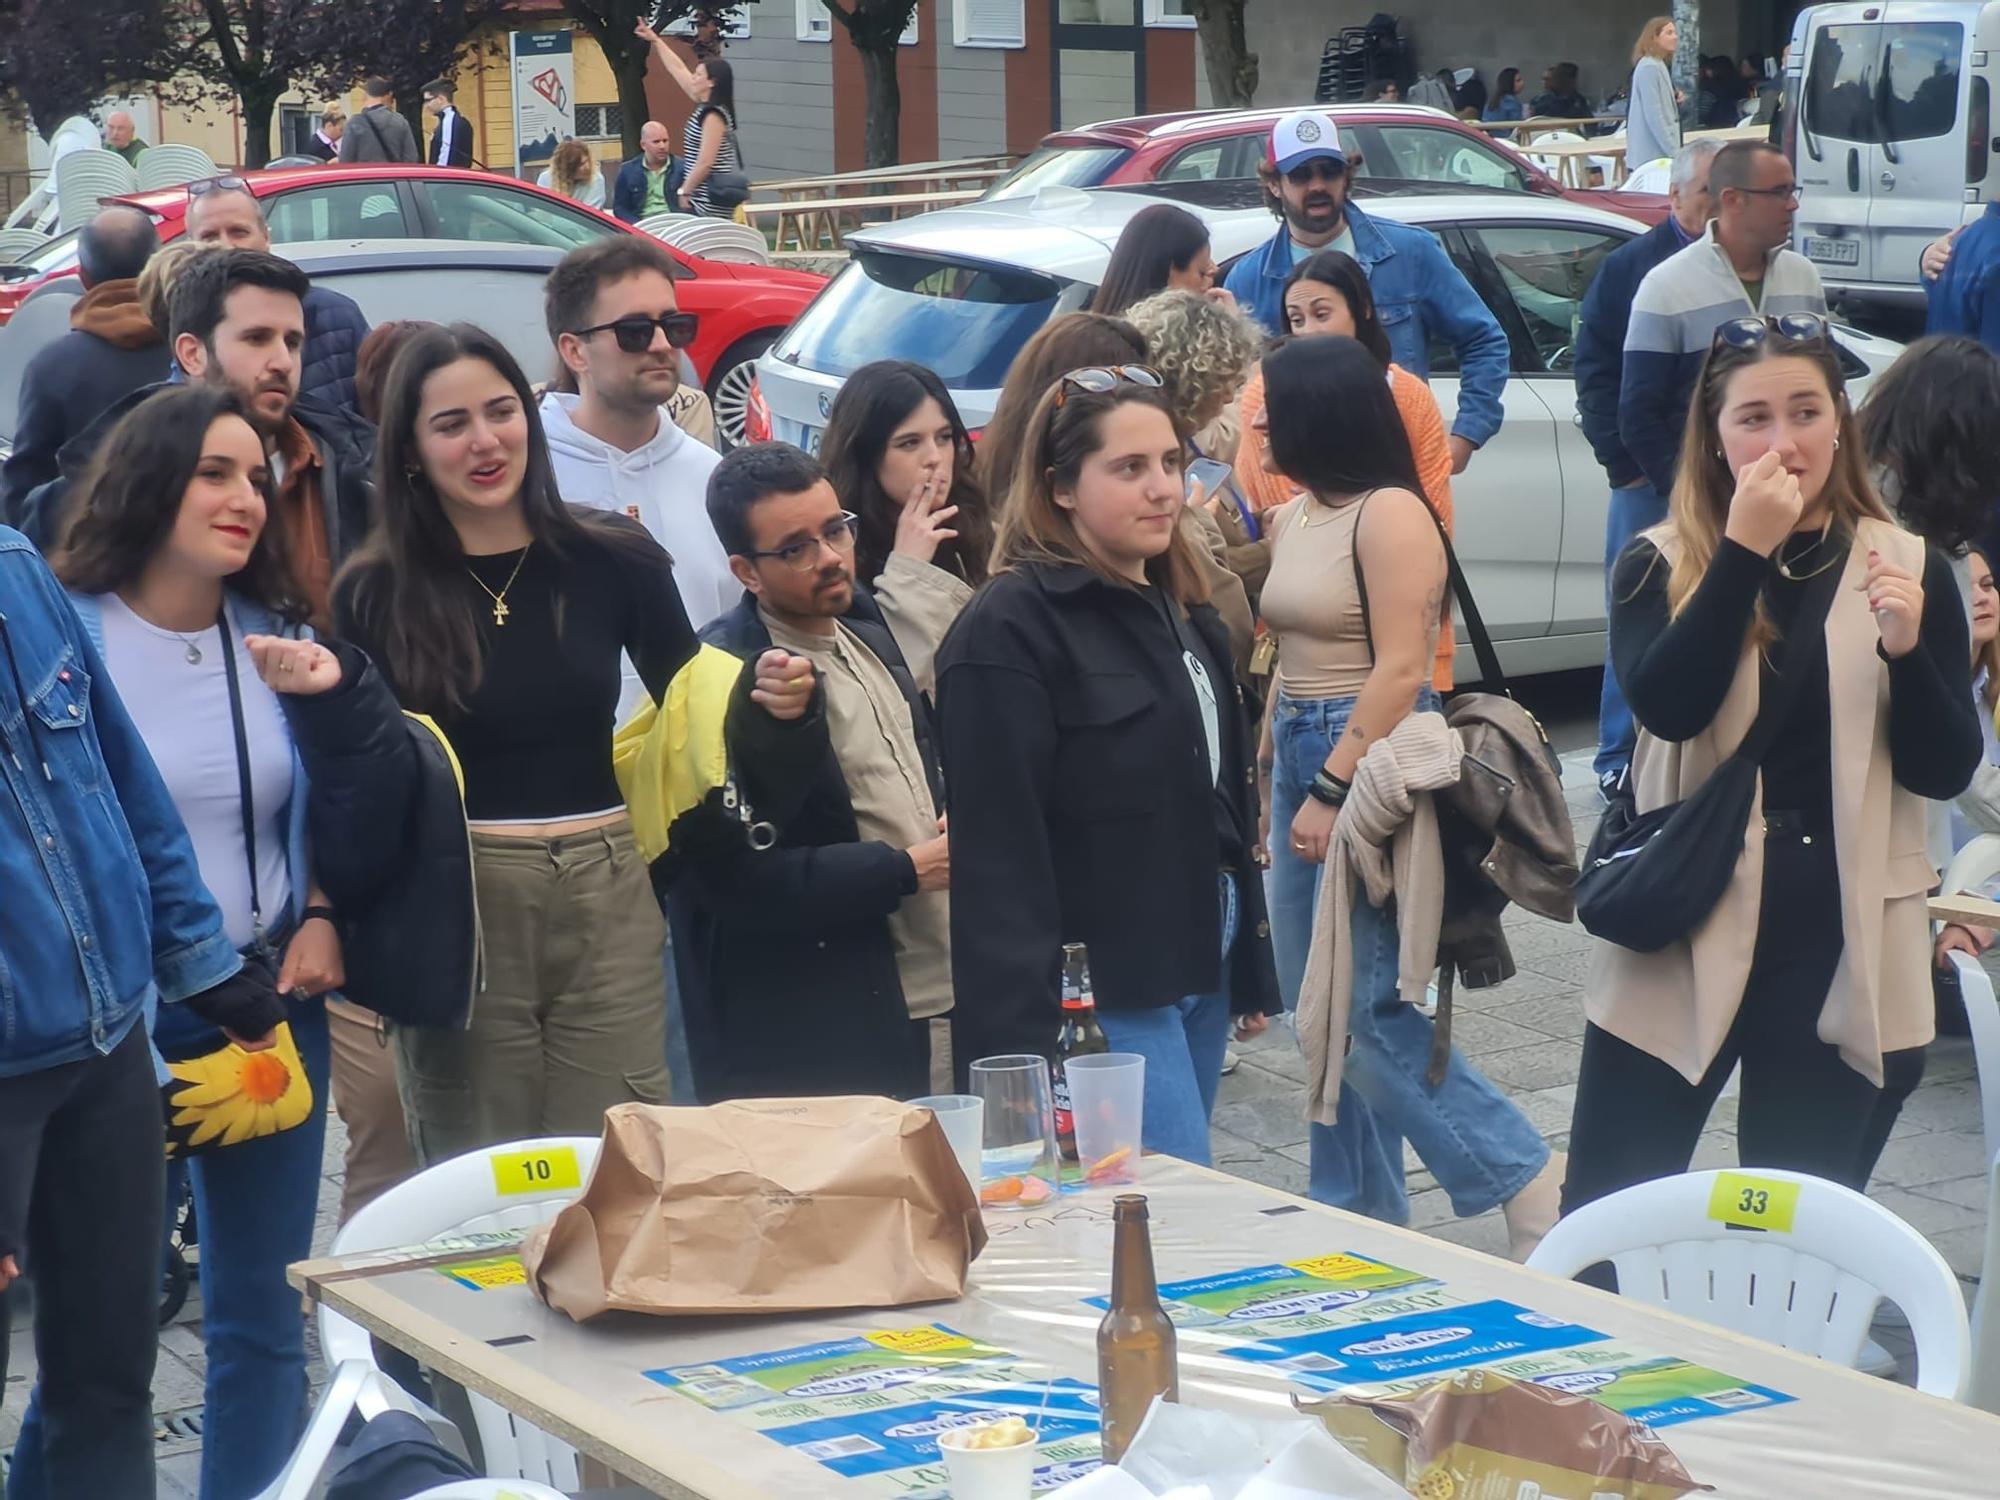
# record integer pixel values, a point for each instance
(809, 440)
(1833, 252)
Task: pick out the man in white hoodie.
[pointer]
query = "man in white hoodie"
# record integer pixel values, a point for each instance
(618, 327)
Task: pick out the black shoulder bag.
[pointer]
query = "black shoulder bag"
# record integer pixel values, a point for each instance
(728, 188)
(1649, 879)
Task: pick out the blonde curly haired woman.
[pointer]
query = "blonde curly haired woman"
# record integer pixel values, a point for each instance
(572, 171)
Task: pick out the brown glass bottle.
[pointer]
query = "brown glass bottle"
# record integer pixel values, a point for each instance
(1137, 1358)
(1080, 1036)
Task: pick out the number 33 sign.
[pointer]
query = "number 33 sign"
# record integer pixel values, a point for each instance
(1753, 1202)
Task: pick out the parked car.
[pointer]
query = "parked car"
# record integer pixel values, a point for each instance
(743, 308)
(964, 288)
(1403, 142)
(1890, 131)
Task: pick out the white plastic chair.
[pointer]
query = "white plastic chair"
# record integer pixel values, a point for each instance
(1983, 1388)
(84, 179)
(1813, 1288)
(1982, 1015)
(171, 165)
(460, 1196)
(658, 225)
(717, 239)
(1973, 866)
(355, 1386)
(491, 1489)
(18, 242)
(1653, 177)
(1567, 170)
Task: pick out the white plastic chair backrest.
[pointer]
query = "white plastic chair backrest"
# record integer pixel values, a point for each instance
(1973, 866)
(28, 212)
(458, 1197)
(1982, 1015)
(1654, 177)
(1983, 1389)
(718, 239)
(356, 1386)
(1812, 1288)
(657, 225)
(17, 242)
(171, 165)
(85, 178)
(491, 1489)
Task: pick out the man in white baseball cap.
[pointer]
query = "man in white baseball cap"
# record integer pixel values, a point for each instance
(1418, 292)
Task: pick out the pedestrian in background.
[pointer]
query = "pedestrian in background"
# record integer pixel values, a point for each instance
(708, 140)
(1062, 344)
(573, 172)
(647, 183)
(371, 364)
(1560, 98)
(1653, 118)
(1813, 966)
(121, 136)
(451, 142)
(1097, 757)
(324, 142)
(1506, 102)
(1161, 248)
(378, 133)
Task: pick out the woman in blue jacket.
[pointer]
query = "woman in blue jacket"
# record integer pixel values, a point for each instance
(185, 592)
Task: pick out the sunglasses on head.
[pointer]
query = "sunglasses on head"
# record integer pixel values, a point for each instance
(1098, 380)
(1790, 328)
(227, 183)
(635, 333)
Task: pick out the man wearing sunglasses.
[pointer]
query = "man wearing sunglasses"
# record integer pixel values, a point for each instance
(619, 330)
(1419, 294)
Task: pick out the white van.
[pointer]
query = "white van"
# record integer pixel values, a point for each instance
(1889, 127)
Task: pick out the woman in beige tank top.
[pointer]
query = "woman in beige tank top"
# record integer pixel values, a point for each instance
(1345, 679)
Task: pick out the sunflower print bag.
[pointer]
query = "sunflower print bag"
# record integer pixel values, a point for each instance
(228, 1096)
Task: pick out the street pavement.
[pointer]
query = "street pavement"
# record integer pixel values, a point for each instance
(1526, 1035)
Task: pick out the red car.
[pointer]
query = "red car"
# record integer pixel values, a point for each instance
(743, 308)
(1401, 142)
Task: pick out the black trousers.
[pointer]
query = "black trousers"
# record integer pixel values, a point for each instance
(1802, 1109)
(82, 1187)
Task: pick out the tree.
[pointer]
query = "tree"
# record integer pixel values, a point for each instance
(1232, 66)
(411, 42)
(876, 27)
(610, 24)
(60, 57)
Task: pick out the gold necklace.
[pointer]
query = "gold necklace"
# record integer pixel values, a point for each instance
(500, 610)
(1785, 568)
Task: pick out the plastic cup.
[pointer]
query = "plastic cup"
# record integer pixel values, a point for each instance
(987, 1473)
(963, 1117)
(1107, 1095)
(1018, 1163)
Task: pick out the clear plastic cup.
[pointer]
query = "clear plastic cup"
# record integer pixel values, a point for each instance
(987, 1473)
(963, 1117)
(1107, 1096)
(1018, 1163)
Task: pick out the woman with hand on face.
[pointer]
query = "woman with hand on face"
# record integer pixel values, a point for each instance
(1811, 968)
(1097, 757)
(1163, 248)
(182, 582)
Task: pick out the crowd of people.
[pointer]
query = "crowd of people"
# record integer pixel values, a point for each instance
(490, 753)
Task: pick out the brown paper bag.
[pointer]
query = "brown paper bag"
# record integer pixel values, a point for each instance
(763, 1205)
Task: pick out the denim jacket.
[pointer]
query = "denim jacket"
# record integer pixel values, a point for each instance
(100, 899)
(1419, 294)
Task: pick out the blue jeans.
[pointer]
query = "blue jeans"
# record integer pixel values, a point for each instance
(256, 1204)
(1183, 1045)
(1481, 1149)
(1632, 511)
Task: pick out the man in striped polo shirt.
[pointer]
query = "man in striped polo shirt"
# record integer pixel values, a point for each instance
(1741, 267)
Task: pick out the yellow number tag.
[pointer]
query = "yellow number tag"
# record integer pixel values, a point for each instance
(1754, 1202)
(928, 1340)
(536, 1171)
(485, 1275)
(1336, 1267)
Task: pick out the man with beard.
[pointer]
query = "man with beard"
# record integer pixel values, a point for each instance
(1419, 294)
(822, 965)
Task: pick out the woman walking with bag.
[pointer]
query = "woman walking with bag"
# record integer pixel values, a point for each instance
(1779, 612)
(1355, 597)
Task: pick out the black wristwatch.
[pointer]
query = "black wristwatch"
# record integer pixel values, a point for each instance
(322, 913)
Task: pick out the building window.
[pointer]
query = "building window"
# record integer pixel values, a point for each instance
(1170, 13)
(815, 25)
(989, 23)
(600, 122)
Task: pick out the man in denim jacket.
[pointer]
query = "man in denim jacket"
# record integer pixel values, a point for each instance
(101, 909)
(1419, 293)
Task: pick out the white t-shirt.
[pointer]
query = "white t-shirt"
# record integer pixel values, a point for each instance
(181, 709)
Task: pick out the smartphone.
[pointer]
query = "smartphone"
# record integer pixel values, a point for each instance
(1205, 476)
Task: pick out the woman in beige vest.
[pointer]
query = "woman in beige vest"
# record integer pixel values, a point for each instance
(1813, 964)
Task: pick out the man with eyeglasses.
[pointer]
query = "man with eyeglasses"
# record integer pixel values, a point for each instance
(1741, 266)
(822, 965)
(1419, 294)
(619, 330)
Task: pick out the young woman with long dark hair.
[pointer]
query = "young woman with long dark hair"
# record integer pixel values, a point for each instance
(1812, 968)
(708, 140)
(1097, 757)
(1162, 248)
(1349, 672)
(501, 613)
(182, 582)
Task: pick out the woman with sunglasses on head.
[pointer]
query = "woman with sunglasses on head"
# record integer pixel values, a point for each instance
(1778, 577)
(185, 589)
(501, 613)
(1097, 759)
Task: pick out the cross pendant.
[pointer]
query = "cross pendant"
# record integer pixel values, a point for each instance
(500, 611)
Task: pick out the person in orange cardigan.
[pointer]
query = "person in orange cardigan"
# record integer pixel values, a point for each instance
(1327, 293)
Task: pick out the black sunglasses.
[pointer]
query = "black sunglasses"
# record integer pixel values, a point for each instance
(635, 333)
(802, 556)
(1791, 190)
(227, 183)
(1791, 328)
(1097, 380)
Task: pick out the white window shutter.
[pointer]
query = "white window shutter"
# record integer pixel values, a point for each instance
(815, 24)
(990, 23)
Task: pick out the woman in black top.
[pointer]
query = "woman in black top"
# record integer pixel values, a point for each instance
(501, 613)
(1098, 764)
(1812, 966)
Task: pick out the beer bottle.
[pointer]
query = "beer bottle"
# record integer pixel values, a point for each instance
(1080, 1036)
(1136, 1355)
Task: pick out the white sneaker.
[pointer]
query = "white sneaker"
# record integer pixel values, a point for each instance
(1230, 1059)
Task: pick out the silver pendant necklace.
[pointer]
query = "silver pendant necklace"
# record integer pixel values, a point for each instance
(193, 652)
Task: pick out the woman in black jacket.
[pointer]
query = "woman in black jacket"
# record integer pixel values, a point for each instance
(1098, 765)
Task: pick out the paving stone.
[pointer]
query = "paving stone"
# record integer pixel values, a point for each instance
(1476, 1035)
(1558, 1014)
(1570, 968)
(1548, 1110)
(1964, 1250)
(1966, 1192)
(1269, 1122)
(1487, 1232)
(1929, 1216)
(1938, 1157)
(1547, 1064)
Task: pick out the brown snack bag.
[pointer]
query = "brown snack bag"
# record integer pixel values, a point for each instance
(762, 1205)
(1477, 1435)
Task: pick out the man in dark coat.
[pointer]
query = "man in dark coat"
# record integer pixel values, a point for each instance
(451, 142)
(111, 350)
(378, 133)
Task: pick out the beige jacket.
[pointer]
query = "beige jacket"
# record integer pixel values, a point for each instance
(1678, 1004)
(1388, 836)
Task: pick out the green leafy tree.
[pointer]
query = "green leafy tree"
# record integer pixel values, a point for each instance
(875, 27)
(610, 24)
(59, 57)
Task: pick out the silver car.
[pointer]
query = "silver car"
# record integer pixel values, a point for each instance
(963, 289)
